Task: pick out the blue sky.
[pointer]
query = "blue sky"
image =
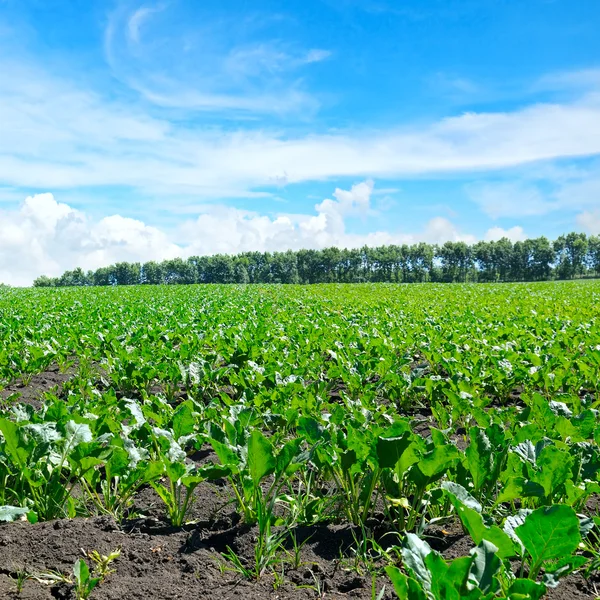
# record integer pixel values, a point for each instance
(145, 130)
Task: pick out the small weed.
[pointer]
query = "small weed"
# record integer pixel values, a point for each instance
(20, 576)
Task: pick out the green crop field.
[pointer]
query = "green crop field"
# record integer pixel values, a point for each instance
(377, 441)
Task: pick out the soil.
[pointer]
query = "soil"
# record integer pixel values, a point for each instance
(50, 380)
(163, 563)
(159, 562)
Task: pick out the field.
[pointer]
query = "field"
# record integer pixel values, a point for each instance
(362, 441)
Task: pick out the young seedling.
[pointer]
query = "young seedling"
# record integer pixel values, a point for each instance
(85, 583)
(102, 563)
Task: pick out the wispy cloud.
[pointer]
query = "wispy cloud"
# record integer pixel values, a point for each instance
(55, 134)
(316, 55)
(541, 191)
(136, 20)
(577, 79)
(510, 199)
(58, 133)
(219, 66)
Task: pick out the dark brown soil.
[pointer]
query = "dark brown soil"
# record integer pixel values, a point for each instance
(32, 391)
(162, 563)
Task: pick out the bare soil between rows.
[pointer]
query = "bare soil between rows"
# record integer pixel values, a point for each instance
(159, 562)
(31, 392)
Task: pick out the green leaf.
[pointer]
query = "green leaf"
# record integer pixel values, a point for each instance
(81, 571)
(458, 572)
(442, 586)
(77, 433)
(226, 454)
(549, 533)
(405, 587)
(10, 513)
(261, 461)
(390, 449)
(43, 432)
(311, 429)
(485, 565)
(414, 553)
(136, 412)
(473, 522)
(459, 493)
(12, 443)
(118, 463)
(554, 468)
(526, 589)
(556, 571)
(151, 472)
(479, 457)
(437, 460)
(514, 521)
(175, 470)
(289, 457)
(519, 487)
(184, 422)
(212, 472)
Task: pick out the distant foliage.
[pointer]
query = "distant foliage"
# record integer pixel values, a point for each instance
(570, 256)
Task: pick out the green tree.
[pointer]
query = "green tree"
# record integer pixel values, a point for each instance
(542, 258)
(593, 257)
(44, 281)
(571, 252)
(152, 273)
(127, 273)
(483, 255)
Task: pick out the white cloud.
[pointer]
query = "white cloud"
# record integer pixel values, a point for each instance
(540, 191)
(589, 221)
(55, 134)
(44, 236)
(583, 78)
(514, 234)
(229, 230)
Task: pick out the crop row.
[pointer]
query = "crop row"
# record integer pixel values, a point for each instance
(387, 408)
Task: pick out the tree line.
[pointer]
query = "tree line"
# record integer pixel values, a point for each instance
(570, 256)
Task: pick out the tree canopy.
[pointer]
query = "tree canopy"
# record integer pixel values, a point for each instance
(570, 256)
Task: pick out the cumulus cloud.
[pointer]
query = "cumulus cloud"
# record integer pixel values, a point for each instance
(44, 236)
(514, 234)
(248, 230)
(589, 221)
